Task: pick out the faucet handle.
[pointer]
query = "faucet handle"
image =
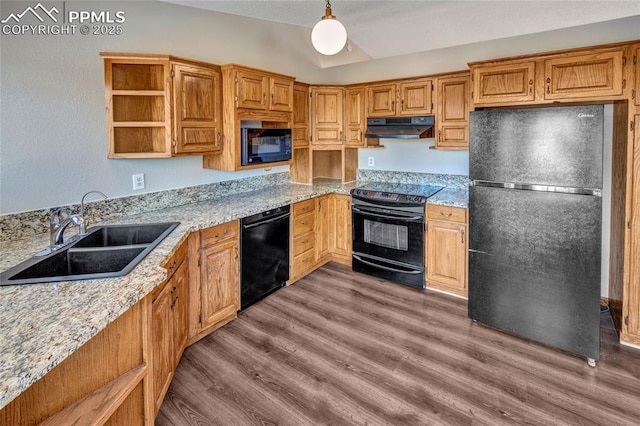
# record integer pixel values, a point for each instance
(56, 216)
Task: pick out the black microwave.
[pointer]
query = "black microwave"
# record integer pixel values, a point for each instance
(265, 145)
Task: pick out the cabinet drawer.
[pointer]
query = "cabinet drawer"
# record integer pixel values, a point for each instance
(303, 224)
(303, 262)
(303, 242)
(450, 214)
(304, 207)
(175, 260)
(218, 233)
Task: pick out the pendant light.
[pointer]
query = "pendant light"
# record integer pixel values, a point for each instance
(328, 36)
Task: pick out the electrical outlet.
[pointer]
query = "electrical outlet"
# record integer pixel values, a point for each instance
(371, 161)
(138, 181)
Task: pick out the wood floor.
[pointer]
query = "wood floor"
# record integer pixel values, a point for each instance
(342, 348)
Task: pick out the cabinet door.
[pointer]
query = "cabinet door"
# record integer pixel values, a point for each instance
(162, 341)
(197, 95)
(341, 232)
(636, 58)
(631, 310)
(323, 227)
(251, 89)
(452, 117)
(592, 75)
(381, 100)
(281, 94)
(354, 116)
(300, 116)
(219, 282)
(416, 97)
(326, 104)
(506, 83)
(447, 256)
(180, 286)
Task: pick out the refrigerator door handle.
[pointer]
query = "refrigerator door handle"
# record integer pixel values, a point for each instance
(597, 192)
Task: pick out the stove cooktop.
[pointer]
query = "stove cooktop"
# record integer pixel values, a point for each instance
(395, 192)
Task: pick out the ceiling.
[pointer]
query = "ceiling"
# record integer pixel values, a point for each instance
(382, 29)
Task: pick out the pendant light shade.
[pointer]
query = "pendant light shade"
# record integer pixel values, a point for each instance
(328, 36)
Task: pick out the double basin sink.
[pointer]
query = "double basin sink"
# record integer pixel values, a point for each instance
(104, 252)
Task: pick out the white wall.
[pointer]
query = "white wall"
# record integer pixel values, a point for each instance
(53, 138)
(414, 156)
(52, 132)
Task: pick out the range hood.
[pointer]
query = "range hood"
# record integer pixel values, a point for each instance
(400, 127)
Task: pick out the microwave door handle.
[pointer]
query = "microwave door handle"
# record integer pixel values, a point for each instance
(387, 268)
(405, 218)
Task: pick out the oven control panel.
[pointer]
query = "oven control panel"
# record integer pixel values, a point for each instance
(389, 196)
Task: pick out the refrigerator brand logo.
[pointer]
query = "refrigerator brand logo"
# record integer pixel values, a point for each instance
(583, 115)
(54, 18)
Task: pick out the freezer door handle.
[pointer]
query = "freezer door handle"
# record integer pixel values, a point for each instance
(597, 192)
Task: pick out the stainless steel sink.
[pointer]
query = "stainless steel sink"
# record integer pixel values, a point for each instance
(104, 252)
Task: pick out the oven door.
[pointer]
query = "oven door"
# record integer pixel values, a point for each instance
(389, 233)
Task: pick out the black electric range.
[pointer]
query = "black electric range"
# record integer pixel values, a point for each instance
(388, 231)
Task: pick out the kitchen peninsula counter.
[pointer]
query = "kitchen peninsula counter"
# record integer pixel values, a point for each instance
(42, 324)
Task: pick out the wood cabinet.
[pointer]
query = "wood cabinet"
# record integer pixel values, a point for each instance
(354, 116)
(341, 228)
(583, 76)
(161, 106)
(323, 226)
(405, 97)
(253, 95)
(300, 130)
(575, 75)
(219, 287)
(635, 94)
(327, 115)
(256, 89)
(169, 323)
(452, 115)
(512, 82)
(447, 245)
(303, 237)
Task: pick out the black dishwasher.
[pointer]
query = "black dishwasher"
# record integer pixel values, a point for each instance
(264, 261)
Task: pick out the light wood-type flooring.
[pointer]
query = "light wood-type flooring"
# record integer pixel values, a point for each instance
(344, 348)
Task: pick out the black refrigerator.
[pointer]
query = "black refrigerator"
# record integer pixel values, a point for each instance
(535, 219)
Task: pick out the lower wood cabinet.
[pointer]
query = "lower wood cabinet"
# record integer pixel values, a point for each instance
(169, 324)
(447, 245)
(215, 295)
(341, 228)
(323, 225)
(303, 239)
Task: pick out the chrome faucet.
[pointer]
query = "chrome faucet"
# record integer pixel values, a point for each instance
(58, 227)
(77, 220)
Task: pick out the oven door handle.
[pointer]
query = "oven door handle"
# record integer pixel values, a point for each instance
(404, 218)
(375, 265)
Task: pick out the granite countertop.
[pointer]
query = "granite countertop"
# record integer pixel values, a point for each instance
(42, 324)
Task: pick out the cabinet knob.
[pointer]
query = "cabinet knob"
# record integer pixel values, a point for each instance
(439, 135)
(462, 236)
(548, 85)
(531, 86)
(446, 214)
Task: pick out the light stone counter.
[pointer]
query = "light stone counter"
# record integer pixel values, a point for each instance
(42, 324)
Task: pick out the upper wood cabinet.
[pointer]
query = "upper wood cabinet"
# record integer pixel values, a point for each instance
(255, 89)
(446, 247)
(197, 106)
(354, 116)
(300, 130)
(504, 83)
(577, 75)
(581, 76)
(161, 106)
(452, 115)
(636, 89)
(406, 97)
(327, 115)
